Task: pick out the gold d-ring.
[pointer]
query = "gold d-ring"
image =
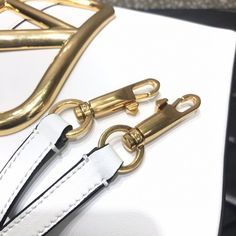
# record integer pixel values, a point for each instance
(139, 151)
(72, 104)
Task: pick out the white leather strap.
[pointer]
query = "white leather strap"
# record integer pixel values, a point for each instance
(44, 141)
(75, 187)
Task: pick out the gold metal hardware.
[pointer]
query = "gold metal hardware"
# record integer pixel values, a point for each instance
(139, 150)
(73, 104)
(165, 118)
(54, 33)
(124, 98)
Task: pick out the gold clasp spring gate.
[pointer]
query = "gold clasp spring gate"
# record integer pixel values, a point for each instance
(124, 98)
(166, 116)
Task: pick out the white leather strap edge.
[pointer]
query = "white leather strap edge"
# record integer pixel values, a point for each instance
(27, 158)
(66, 194)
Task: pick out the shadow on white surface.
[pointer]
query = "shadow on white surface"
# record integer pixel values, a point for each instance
(107, 223)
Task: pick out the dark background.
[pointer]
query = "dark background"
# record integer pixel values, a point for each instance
(174, 4)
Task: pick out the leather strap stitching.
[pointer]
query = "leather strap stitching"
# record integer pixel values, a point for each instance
(25, 176)
(31, 138)
(70, 207)
(33, 207)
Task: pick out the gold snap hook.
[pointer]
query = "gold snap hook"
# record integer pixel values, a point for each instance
(124, 98)
(107, 104)
(166, 116)
(164, 119)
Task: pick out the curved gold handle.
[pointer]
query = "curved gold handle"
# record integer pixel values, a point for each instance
(55, 32)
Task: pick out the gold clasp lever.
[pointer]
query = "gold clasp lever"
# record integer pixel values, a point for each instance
(166, 116)
(125, 98)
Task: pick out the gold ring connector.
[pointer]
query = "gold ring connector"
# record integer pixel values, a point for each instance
(73, 104)
(139, 151)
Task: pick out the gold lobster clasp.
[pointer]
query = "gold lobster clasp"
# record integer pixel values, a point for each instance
(166, 116)
(125, 98)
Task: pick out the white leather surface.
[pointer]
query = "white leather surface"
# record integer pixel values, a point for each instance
(177, 189)
(28, 157)
(66, 194)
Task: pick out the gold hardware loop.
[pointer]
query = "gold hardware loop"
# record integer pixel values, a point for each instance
(72, 104)
(193, 100)
(143, 96)
(139, 151)
(53, 33)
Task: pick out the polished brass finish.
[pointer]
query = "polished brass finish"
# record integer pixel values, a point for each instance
(165, 118)
(72, 104)
(125, 98)
(120, 99)
(54, 33)
(139, 151)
